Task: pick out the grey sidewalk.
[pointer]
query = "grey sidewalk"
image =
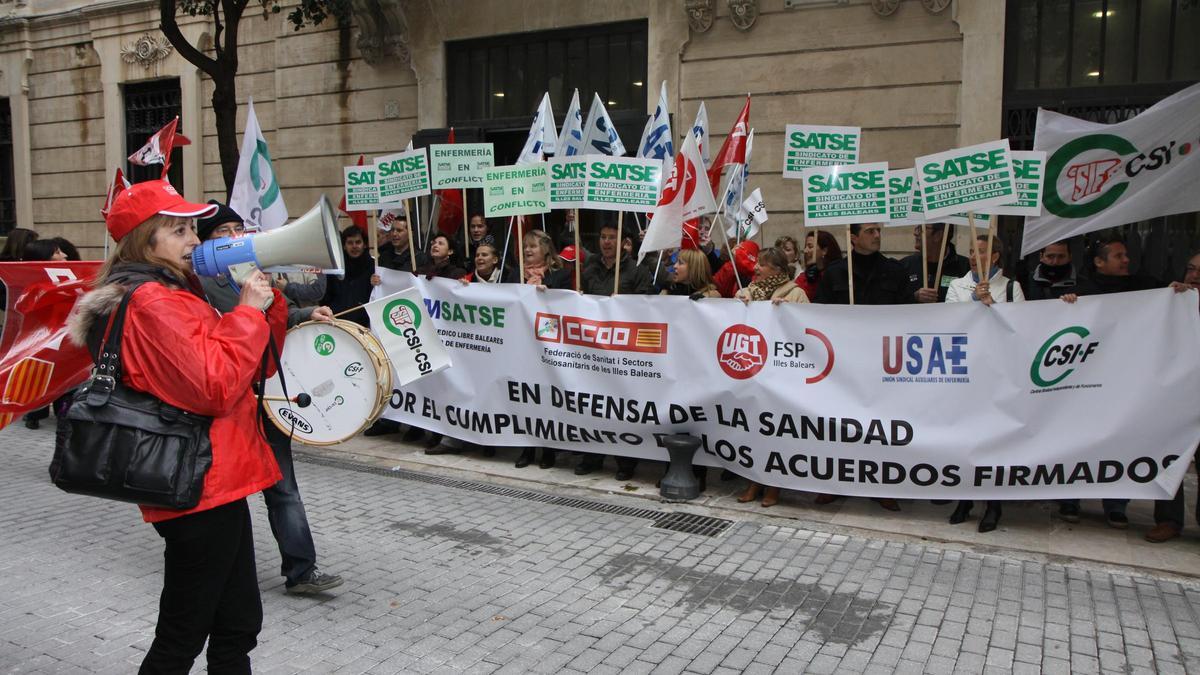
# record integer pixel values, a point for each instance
(441, 578)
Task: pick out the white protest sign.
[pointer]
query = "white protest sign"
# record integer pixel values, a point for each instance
(361, 185)
(623, 183)
(402, 324)
(516, 190)
(842, 195)
(966, 179)
(402, 175)
(1028, 171)
(568, 182)
(459, 165)
(901, 186)
(807, 145)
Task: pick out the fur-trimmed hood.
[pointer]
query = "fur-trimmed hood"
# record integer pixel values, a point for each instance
(97, 303)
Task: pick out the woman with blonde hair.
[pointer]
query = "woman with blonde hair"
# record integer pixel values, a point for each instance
(543, 266)
(177, 348)
(692, 276)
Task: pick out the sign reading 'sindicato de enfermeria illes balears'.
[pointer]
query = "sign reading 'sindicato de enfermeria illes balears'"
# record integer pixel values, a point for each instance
(966, 179)
(403, 175)
(843, 195)
(361, 185)
(516, 190)
(1028, 171)
(605, 183)
(807, 145)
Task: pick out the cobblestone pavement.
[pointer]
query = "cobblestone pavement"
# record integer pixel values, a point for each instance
(443, 578)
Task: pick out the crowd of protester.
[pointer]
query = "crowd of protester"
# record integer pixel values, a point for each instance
(817, 271)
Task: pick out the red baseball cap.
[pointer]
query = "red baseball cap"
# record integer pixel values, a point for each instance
(745, 256)
(567, 254)
(138, 202)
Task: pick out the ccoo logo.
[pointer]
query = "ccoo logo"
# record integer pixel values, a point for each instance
(741, 351)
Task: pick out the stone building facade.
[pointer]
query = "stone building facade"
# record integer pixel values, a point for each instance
(919, 76)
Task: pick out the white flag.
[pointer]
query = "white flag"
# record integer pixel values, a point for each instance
(542, 135)
(751, 214)
(656, 137)
(700, 129)
(600, 136)
(402, 324)
(1102, 175)
(255, 195)
(736, 188)
(686, 194)
(570, 140)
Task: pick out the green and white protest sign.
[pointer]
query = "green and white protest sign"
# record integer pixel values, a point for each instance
(402, 176)
(843, 195)
(361, 186)
(568, 182)
(460, 165)
(808, 145)
(1028, 171)
(901, 187)
(966, 179)
(516, 190)
(623, 183)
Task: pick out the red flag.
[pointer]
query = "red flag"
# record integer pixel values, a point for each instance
(359, 218)
(39, 363)
(450, 215)
(157, 149)
(119, 183)
(733, 150)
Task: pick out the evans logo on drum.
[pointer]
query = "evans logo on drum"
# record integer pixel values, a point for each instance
(353, 369)
(292, 417)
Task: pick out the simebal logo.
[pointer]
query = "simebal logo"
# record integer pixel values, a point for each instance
(1099, 168)
(741, 351)
(401, 314)
(1060, 354)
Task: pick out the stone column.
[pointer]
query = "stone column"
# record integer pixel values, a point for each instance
(981, 95)
(15, 66)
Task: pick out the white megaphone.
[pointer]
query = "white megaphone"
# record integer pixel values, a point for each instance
(312, 240)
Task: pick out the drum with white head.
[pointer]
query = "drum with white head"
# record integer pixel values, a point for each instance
(342, 366)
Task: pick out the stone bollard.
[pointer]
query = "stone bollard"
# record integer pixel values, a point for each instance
(680, 483)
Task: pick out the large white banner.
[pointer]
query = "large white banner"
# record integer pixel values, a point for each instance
(1035, 400)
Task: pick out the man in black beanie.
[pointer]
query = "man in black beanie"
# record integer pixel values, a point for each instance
(285, 510)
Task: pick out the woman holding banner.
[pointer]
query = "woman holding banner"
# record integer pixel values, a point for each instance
(487, 267)
(970, 289)
(442, 259)
(772, 281)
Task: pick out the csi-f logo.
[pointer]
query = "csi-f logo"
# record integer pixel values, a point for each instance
(353, 369)
(401, 314)
(1060, 355)
(741, 351)
(1097, 169)
(925, 357)
(324, 344)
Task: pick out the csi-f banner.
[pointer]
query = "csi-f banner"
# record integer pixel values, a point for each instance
(460, 165)
(1102, 175)
(843, 195)
(403, 175)
(1028, 171)
(516, 190)
(1033, 400)
(966, 179)
(808, 146)
(39, 363)
(901, 186)
(361, 185)
(402, 325)
(255, 195)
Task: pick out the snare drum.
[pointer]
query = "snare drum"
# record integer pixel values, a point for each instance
(342, 366)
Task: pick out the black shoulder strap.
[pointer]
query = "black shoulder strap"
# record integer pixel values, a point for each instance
(1008, 291)
(108, 355)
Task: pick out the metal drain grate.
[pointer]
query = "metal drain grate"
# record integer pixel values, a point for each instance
(676, 522)
(689, 523)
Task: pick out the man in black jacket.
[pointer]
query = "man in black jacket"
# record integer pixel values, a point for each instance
(394, 255)
(878, 280)
(597, 278)
(1054, 275)
(954, 266)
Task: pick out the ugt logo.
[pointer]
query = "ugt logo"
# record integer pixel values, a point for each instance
(1060, 355)
(741, 351)
(925, 354)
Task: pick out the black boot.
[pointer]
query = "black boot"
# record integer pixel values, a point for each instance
(525, 459)
(991, 517)
(962, 512)
(548, 457)
(589, 463)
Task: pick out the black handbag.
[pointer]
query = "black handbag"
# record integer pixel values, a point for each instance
(127, 445)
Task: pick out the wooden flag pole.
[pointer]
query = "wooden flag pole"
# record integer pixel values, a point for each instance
(617, 273)
(578, 253)
(504, 256)
(849, 262)
(373, 236)
(925, 255)
(412, 251)
(974, 250)
(937, 277)
(986, 275)
(520, 248)
(466, 227)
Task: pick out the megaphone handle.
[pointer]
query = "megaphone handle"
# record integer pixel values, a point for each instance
(238, 272)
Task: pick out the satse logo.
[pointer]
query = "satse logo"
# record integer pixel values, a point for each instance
(741, 351)
(1061, 355)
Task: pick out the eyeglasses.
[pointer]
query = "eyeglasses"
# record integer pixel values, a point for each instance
(229, 230)
(1191, 269)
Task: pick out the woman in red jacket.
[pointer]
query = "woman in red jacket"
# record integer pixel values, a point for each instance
(178, 348)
